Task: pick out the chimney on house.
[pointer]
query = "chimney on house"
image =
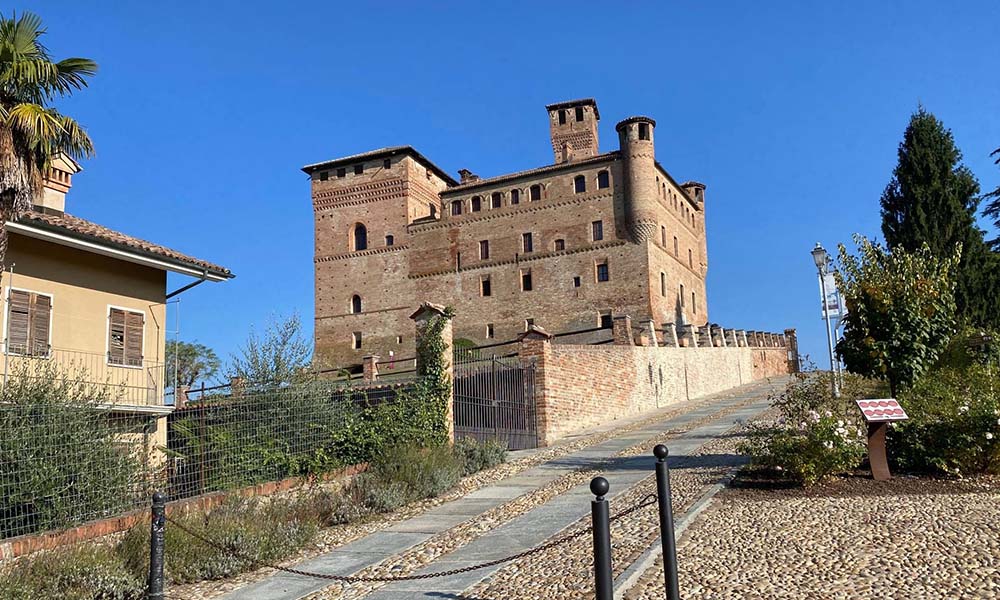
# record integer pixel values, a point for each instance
(56, 184)
(467, 176)
(573, 129)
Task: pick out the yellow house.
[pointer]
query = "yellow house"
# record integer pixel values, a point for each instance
(91, 300)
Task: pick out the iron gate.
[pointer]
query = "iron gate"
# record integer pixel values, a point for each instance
(495, 400)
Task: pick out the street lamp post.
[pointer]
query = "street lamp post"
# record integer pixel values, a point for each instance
(822, 259)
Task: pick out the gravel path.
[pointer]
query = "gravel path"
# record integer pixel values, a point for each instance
(851, 539)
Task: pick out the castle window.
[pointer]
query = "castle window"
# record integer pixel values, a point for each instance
(663, 284)
(690, 259)
(560, 245)
(604, 319)
(359, 169)
(495, 200)
(676, 248)
(399, 339)
(682, 295)
(387, 163)
(458, 260)
(477, 204)
(643, 131)
(602, 271)
(579, 113)
(663, 236)
(535, 193)
(664, 190)
(389, 240)
(515, 196)
(360, 237)
(324, 175)
(597, 230)
(527, 243)
(579, 184)
(490, 333)
(603, 180)
(434, 211)
(526, 280)
(456, 207)
(694, 303)
(356, 340)
(562, 117)
(341, 173)
(355, 304)
(576, 282)
(528, 323)
(485, 287)
(484, 249)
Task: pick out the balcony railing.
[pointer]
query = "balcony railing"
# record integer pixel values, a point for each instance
(140, 383)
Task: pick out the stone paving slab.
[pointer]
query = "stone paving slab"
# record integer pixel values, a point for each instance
(533, 527)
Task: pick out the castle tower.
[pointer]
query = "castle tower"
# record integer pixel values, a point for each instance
(696, 190)
(573, 129)
(635, 138)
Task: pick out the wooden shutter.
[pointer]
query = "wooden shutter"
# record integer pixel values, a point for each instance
(41, 309)
(17, 322)
(116, 337)
(133, 339)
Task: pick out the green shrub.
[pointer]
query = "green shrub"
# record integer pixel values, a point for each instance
(425, 472)
(477, 456)
(83, 573)
(379, 495)
(954, 424)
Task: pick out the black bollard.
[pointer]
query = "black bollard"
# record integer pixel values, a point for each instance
(669, 544)
(157, 538)
(603, 582)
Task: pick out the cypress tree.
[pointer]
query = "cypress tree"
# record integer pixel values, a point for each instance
(932, 198)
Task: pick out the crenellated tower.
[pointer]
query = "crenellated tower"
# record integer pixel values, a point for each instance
(635, 138)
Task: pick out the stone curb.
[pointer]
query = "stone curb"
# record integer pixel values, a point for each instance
(647, 559)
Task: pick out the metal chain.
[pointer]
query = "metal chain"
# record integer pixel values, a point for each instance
(648, 500)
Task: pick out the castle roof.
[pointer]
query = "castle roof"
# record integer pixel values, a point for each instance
(574, 104)
(382, 153)
(532, 172)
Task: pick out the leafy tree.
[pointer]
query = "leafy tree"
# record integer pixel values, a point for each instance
(191, 362)
(278, 357)
(32, 133)
(901, 310)
(932, 199)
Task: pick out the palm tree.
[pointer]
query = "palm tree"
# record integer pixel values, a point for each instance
(32, 133)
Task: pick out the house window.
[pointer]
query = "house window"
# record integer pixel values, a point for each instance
(324, 175)
(560, 245)
(603, 180)
(576, 282)
(605, 320)
(579, 184)
(485, 287)
(477, 204)
(125, 337)
(676, 250)
(360, 237)
(484, 249)
(490, 333)
(526, 280)
(663, 284)
(359, 169)
(29, 317)
(535, 193)
(663, 236)
(515, 196)
(562, 117)
(341, 173)
(602, 271)
(526, 243)
(643, 131)
(355, 304)
(389, 240)
(579, 113)
(456, 207)
(356, 340)
(597, 230)
(495, 200)
(387, 163)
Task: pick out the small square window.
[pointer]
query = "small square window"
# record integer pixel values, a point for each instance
(389, 240)
(526, 280)
(359, 169)
(602, 271)
(597, 230)
(527, 244)
(485, 287)
(576, 282)
(605, 319)
(341, 173)
(490, 333)
(387, 164)
(560, 245)
(324, 175)
(484, 249)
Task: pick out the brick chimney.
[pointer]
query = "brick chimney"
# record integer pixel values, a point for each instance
(56, 184)
(467, 176)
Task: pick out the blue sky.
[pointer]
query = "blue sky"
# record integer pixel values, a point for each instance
(789, 111)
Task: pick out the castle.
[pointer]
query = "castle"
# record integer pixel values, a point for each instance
(562, 246)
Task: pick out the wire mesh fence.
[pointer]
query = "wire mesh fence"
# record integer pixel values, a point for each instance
(69, 454)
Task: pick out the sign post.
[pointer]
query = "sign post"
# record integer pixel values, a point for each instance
(878, 413)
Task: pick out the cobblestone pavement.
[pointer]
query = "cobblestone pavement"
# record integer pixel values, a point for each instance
(851, 539)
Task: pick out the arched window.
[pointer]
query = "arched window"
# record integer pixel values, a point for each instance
(355, 304)
(535, 192)
(456, 207)
(360, 237)
(477, 204)
(515, 196)
(496, 200)
(603, 180)
(663, 236)
(579, 184)
(389, 240)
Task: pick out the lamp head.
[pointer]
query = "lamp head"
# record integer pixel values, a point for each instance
(820, 257)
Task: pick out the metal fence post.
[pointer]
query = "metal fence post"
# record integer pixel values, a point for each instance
(667, 540)
(603, 582)
(156, 542)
